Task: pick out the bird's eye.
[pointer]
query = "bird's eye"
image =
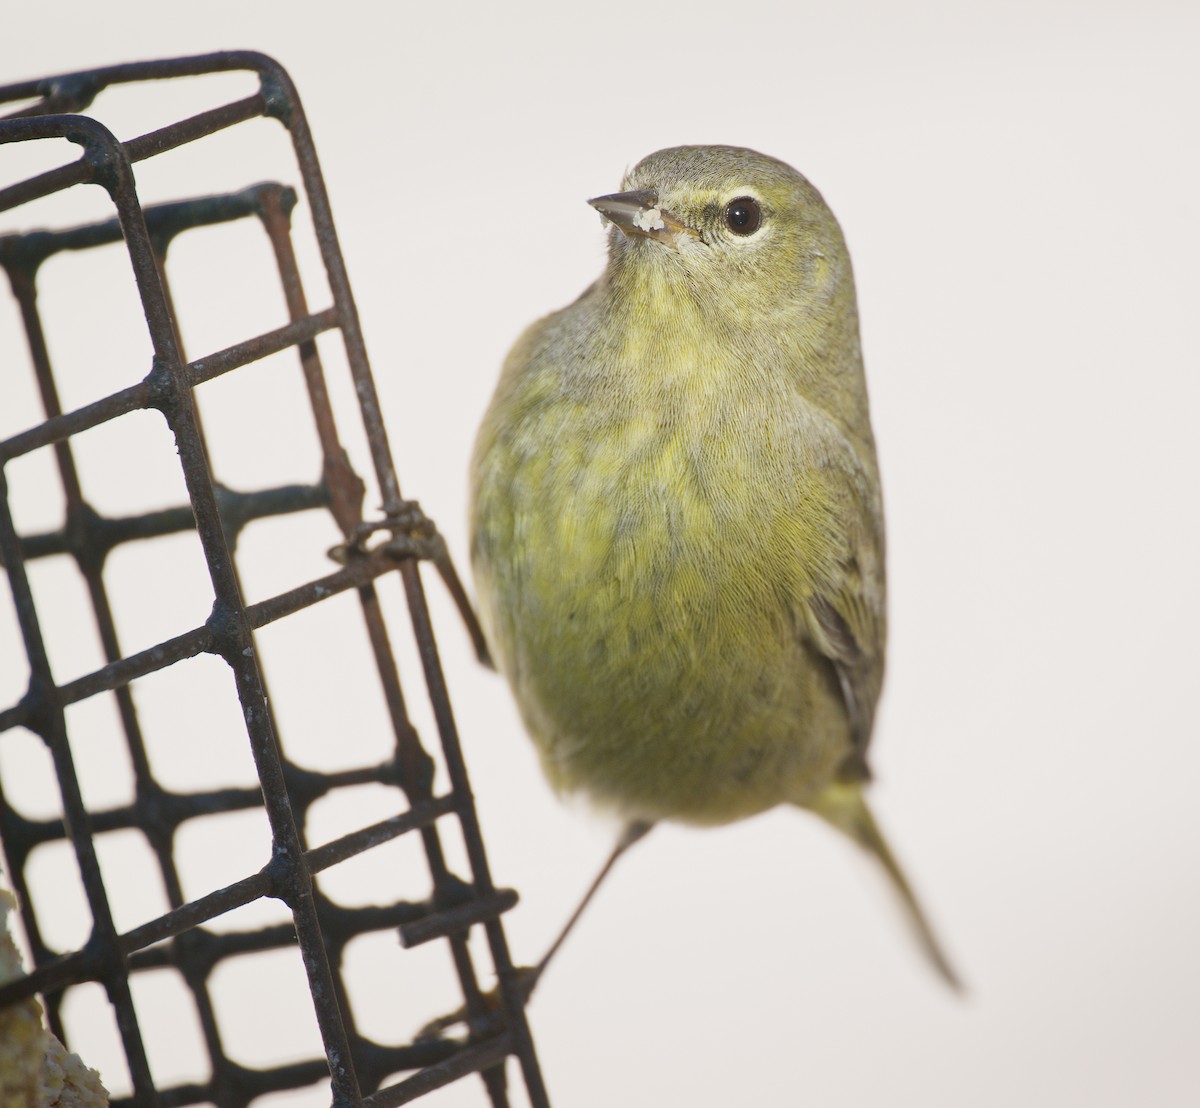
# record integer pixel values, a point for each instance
(743, 216)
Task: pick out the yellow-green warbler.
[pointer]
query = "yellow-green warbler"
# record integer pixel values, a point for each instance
(677, 530)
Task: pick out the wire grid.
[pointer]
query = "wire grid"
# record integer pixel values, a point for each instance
(394, 543)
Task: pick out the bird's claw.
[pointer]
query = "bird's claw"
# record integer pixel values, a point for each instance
(485, 1022)
(412, 535)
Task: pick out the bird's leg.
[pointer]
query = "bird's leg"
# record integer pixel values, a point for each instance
(528, 976)
(630, 834)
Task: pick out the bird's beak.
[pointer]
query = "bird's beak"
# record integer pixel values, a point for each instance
(638, 214)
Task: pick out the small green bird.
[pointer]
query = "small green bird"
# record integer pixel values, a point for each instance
(677, 529)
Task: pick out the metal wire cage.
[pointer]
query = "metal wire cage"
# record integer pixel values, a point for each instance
(198, 935)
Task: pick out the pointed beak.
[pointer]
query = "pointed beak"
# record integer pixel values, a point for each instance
(637, 214)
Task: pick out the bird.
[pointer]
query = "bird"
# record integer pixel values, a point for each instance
(677, 530)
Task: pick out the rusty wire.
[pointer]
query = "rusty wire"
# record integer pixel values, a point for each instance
(356, 1066)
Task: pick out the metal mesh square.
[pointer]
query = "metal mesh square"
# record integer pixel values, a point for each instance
(224, 833)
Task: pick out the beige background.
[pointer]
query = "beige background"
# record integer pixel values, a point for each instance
(1020, 187)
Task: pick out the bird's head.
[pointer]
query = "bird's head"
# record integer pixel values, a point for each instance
(730, 227)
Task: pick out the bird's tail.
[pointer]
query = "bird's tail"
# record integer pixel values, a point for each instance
(844, 807)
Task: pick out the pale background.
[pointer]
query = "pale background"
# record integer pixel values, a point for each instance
(1020, 187)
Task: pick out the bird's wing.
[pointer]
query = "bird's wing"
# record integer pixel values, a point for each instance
(847, 609)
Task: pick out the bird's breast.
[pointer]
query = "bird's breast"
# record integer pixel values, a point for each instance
(657, 528)
(641, 571)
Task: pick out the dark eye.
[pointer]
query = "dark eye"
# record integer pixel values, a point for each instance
(743, 215)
